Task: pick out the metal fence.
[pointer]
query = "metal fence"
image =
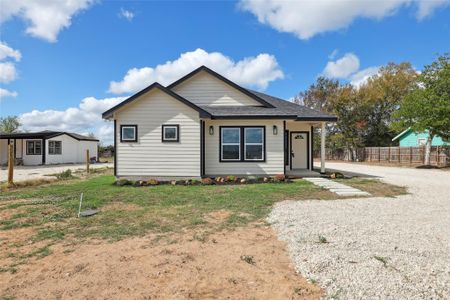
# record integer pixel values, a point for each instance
(439, 155)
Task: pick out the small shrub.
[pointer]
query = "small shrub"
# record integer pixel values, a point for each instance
(64, 175)
(207, 181)
(122, 182)
(267, 179)
(243, 181)
(230, 178)
(195, 182)
(152, 182)
(173, 182)
(280, 177)
(179, 182)
(322, 239)
(252, 179)
(188, 182)
(248, 259)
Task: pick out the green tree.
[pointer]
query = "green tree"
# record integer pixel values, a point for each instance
(320, 95)
(427, 107)
(383, 92)
(9, 124)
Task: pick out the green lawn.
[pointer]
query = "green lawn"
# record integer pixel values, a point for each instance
(52, 209)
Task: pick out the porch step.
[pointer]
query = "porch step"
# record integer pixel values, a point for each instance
(336, 187)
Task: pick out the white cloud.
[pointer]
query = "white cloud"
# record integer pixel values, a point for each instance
(44, 18)
(251, 71)
(6, 51)
(82, 119)
(426, 8)
(129, 15)
(333, 54)
(362, 76)
(5, 93)
(343, 67)
(307, 18)
(8, 72)
(347, 68)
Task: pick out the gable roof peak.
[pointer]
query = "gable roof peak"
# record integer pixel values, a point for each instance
(223, 79)
(107, 114)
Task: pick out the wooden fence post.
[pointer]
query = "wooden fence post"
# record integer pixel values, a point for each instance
(10, 164)
(87, 161)
(389, 154)
(379, 154)
(410, 156)
(399, 155)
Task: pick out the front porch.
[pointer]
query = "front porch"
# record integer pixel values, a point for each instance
(299, 148)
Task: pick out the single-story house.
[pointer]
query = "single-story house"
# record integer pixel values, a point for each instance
(205, 125)
(409, 138)
(47, 147)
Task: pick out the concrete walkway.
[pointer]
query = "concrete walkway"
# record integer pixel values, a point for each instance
(335, 187)
(22, 173)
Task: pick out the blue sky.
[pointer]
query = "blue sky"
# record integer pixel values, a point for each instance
(284, 48)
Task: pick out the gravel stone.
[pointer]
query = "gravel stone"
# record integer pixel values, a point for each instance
(374, 248)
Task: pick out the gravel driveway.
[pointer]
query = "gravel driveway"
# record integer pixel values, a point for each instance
(376, 248)
(33, 172)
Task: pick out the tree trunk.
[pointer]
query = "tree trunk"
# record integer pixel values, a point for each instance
(428, 149)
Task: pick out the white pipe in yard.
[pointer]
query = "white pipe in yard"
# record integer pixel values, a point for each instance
(79, 208)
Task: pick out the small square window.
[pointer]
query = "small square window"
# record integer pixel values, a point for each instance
(128, 133)
(34, 147)
(170, 133)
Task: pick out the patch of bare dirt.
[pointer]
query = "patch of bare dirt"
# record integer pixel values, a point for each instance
(217, 217)
(241, 264)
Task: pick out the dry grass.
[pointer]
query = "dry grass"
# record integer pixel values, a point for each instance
(375, 187)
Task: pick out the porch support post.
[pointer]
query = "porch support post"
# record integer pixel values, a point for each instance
(322, 148)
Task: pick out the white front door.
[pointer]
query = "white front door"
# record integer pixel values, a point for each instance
(299, 150)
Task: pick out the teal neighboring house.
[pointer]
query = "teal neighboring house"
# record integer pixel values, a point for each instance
(409, 138)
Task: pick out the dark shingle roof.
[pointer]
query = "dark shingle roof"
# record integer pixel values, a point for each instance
(281, 108)
(46, 134)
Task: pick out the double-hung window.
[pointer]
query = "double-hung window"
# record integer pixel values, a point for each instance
(34, 147)
(231, 144)
(54, 147)
(254, 143)
(242, 143)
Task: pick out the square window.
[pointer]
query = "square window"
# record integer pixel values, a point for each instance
(170, 133)
(128, 133)
(34, 147)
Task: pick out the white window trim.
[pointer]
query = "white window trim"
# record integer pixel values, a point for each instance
(175, 139)
(34, 147)
(230, 144)
(258, 144)
(122, 136)
(49, 147)
(423, 140)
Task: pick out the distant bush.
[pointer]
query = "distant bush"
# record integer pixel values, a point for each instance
(64, 175)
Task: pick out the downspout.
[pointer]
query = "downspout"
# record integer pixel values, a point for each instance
(43, 151)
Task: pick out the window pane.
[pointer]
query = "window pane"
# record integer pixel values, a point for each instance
(58, 147)
(30, 146)
(37, 147)
(170, 133)
(253, 135)
(230, 152)
(230, 135)
(254, 152)
(128, 133)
